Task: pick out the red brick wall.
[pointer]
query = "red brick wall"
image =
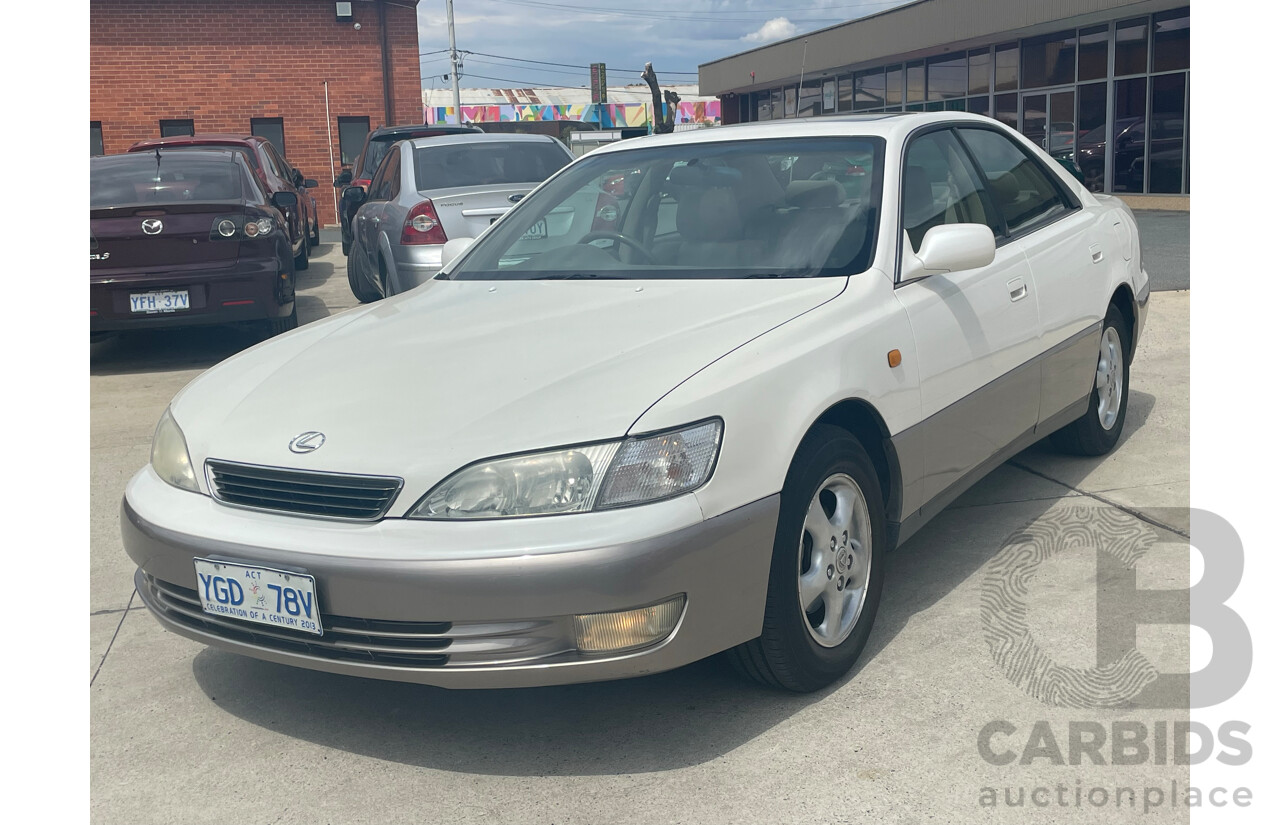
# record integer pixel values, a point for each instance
(222, 63)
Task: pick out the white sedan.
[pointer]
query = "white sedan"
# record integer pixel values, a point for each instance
(681, 400)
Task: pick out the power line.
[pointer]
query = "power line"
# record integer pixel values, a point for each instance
(708, 16)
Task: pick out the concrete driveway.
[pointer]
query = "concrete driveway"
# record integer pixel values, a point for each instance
(181, 733)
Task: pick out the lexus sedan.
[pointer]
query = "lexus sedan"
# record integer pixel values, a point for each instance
(429, 190)
(601, 453)
(187, 238)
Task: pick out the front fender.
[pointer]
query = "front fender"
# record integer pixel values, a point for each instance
(771, 390)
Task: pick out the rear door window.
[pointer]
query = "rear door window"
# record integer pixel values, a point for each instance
(386, 181)
(1019, 186)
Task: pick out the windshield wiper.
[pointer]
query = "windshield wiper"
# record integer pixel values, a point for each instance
(579, 276)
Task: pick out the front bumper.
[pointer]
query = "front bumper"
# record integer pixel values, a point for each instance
(465, 619)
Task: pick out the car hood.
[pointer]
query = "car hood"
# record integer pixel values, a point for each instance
(422, 384)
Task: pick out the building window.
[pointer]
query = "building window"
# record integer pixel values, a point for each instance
(1168, 103)
(271, 128)
(1049, 60)
(979, 72)
(915, 83)
(811, 97)
(1130, 129)
(1171, 42)
(948, 77)
(893, 89)
(1091, 151)
(175, 128)
(95, 137)
(829, 95)
(1131, 47)
(844, 95)
(1007, 67)
(1007, 110)
(1093, 53)
(775, 104)
(979, 106)
(869, 92)
(351, 134)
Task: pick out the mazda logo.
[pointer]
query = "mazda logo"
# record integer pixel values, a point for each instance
(308, 442)
(152, 226)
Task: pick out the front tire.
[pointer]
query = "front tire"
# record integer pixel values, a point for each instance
(1098, 431)
(827, 570)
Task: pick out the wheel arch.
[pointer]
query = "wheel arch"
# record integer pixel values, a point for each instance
(860, 419)
(1124, 300)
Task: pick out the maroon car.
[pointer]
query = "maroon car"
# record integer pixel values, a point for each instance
(274, 173)
(186, 238)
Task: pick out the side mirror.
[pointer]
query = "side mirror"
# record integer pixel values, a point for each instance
(343, 179)
(354, 196)
(951, 247)
(452, 249)
(310, 183)
(284, 200)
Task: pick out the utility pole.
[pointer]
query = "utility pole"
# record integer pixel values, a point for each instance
(453, 59)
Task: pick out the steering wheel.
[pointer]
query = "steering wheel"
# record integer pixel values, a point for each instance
(606, 235)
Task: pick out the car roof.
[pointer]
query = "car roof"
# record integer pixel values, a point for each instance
(889, 125)
(408, 131)
(479, 137)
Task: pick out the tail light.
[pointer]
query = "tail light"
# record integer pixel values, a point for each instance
(422, 226)
(363, 183)
(235, 227)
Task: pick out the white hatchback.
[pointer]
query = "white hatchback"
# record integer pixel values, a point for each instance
(680, 400)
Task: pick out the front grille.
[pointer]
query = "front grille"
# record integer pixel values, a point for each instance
(374, 641)
(305, 492)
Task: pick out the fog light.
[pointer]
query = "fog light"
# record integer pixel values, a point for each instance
(627, 629)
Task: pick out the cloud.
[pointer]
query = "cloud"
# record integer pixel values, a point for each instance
(776, 29)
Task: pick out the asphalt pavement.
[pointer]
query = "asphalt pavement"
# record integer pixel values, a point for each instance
(1166, 247)
(184, 733)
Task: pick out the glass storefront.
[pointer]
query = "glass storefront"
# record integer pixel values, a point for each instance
(1112, 98)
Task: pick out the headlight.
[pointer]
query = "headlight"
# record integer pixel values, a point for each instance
(169, 455)
(578, 479)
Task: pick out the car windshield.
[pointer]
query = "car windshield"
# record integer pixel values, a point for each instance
(784, 208)
(476, 164)
(124, 180)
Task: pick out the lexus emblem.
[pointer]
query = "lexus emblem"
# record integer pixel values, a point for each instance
(152, 226)
(308, 442)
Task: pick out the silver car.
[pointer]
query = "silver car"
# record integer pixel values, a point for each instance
(429, 190)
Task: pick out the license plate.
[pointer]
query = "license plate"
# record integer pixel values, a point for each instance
(535, 232)
(169, 300)
(259, 594)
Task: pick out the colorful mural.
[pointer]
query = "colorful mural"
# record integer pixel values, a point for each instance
(608, 115)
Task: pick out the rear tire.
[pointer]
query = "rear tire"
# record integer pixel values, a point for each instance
(364, 294)
(272, 327)
(1098, 431)
(827, 570)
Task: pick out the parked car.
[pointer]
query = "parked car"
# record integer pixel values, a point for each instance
(371, 154)
(428, 190)
(187, 238)
(583, 454)
(274, 173)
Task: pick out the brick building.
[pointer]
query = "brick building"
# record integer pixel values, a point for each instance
(160, 67)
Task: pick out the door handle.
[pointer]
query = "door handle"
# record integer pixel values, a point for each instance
(1017, 289)
(1096, 252)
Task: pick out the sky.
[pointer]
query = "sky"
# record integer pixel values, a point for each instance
(513, 41)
